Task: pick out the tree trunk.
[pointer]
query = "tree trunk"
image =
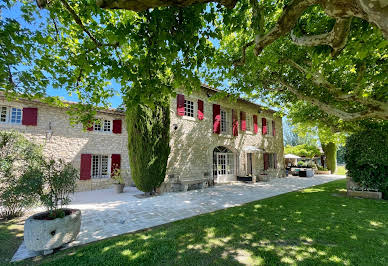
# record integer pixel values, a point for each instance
(330, 150)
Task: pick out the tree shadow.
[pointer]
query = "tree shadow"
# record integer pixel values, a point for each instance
(294, 228)
(11, 236)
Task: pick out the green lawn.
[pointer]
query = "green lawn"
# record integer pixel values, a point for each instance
(341, 170)
(311, 227)
(11, 236)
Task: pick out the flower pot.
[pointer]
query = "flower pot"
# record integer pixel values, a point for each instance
(45, 235)
(119, 188)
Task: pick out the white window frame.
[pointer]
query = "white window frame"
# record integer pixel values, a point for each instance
(249, 122)
(8, 115)
(271, 160)
(100, 127)
(269, 127)
(99, 174)
(189, 108)
(225, 126)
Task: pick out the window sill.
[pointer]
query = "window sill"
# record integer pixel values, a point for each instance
(10, 125)
(185, 117)
(102, 132)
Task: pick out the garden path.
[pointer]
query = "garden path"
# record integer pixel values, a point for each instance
(106, 214)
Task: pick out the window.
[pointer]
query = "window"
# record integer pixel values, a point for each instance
(189, 108)
(249, 122)
(224, 122)
(16, 115)
(269, 127)
(272, 160)
(100, 166)
(11, 115)
(3, 114)
(103, 126)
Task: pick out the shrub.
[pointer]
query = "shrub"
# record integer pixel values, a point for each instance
(20, 162)
(59, 180)
(306, 150)
(366, 156)
(301, 163)
(117, 177)
(148, 143)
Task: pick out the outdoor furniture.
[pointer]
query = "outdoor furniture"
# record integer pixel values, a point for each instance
(307, 172)
(245, 178)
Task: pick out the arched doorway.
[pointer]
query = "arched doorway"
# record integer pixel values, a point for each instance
(224, 168)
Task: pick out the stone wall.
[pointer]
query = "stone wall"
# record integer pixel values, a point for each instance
(193, 141)
(68, 141)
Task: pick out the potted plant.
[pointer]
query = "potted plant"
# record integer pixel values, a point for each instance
(118, 180)
(57, 226)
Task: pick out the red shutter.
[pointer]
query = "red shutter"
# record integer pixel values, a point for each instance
(255, 127)
(117, 126)
(216, 118)
(235, 123)
(115, 162)
(200, 109)
(243, 118)
(264, 126)
(180, 104)
(273, 128)
(30, 116)
(86, 166)
(266, 161)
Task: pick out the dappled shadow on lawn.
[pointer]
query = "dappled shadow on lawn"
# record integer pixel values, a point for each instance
(11, 236)
(296, 228)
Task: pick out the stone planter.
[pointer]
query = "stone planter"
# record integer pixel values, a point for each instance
(46, 235)
(355, 190)
(119, 188)
(320, 172)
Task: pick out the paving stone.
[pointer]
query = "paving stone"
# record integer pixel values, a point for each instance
(106, 214)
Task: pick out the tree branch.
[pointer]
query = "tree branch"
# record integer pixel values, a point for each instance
(79, 22)
(284, 25)
(241, 61)
(319, 80)
(346, 116)
(336, 38)
(142, 5)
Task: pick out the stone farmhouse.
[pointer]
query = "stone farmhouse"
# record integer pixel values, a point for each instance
(211, 142)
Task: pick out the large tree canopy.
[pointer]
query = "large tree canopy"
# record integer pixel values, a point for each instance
(328, 55)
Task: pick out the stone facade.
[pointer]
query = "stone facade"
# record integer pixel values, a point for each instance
(193, 142)
(193, 162)
(60, 139)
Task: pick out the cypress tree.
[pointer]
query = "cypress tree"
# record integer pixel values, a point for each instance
(148, 129)
(330, 150)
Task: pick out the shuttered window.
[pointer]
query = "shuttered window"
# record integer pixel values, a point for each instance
(216, 118)
(255, 126)
(189, 108)
(100, 166)
(249, 123)
(225, 124)
(200, 110)
(103, 125)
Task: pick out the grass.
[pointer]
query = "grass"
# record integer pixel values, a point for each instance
(318, 225)
(11, 236)
(341, 170)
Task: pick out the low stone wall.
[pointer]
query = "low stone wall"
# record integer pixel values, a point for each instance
(319, 172)
(94, 184)
(354, 189)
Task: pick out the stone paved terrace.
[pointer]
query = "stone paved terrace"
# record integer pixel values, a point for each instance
(106, 214)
